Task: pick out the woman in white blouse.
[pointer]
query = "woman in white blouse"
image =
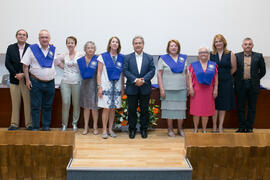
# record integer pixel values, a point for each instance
(70, 84)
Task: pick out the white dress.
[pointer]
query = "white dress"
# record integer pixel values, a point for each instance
(111, 90)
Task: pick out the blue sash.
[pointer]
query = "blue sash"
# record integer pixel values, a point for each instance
(207, 76)
(87, 72)
(113, 70)
(43, 61)
(176, 67)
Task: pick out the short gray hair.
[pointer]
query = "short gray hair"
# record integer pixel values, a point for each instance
(44, 30)
(248, 39)
(204, 47)
(138, 37)
(88, 43)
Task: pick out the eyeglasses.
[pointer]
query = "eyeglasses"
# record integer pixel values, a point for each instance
(203, 52)
(20, 34)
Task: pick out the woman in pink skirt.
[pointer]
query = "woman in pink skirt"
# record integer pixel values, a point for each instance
(203, 88)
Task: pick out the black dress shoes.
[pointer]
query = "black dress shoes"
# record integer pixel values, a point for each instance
(144, 134)
(249, 130)
(132, 134)
(240, 130)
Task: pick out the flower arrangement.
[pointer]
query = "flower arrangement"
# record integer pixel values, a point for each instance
(121, 114)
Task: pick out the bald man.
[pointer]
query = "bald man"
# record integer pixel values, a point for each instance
(38, 67)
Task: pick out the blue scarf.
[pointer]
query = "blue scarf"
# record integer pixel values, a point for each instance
(114, 70)
(43, 61)
(207, 76)
(176, 67)
(87, 72)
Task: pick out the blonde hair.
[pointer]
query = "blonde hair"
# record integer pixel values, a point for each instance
(221, 37)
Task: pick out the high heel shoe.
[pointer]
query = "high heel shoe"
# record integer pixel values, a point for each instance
(171, 133)
(85, 132)
(95, 131)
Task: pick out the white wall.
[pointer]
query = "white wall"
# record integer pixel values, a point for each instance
(192, 22)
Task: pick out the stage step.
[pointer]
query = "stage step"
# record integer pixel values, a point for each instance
(157, 157)
(121, 173)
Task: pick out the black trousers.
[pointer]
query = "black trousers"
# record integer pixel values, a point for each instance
(135, 101)
(246, 94)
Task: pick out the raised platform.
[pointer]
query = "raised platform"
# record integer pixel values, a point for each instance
(157, 157)
(229, 156)
(213, 156)
(35, 155)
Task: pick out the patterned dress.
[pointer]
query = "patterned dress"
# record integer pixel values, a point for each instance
(111, 90)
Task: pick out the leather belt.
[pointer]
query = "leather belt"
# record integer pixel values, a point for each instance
(34, 77)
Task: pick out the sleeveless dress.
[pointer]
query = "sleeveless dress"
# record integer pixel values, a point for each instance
(226, 99)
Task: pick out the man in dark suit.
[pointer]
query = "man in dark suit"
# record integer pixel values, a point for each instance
(250, 69)
(18, 88)
(139, 69)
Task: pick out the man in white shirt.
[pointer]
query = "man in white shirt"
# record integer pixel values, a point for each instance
(139, 69)
(40, 79)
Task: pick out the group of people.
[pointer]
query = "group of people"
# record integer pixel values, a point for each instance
(211, 83)
(94, 81)
(91, 81)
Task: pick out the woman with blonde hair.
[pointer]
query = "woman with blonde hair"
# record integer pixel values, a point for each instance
(226, 62)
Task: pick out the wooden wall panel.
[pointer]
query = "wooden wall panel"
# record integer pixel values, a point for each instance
(33, 160)
(229, 156)
(262, 119)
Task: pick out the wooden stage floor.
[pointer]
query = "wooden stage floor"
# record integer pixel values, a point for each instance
(157, 151)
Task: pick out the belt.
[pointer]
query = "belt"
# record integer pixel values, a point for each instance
(34, 77)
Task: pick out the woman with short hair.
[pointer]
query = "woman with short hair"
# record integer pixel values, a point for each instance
(88, 99)
(203, 88)
(71, 82)
(172, 74)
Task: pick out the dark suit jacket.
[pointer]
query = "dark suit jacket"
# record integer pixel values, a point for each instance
(13, 62)
(131, 72)
(257, 70)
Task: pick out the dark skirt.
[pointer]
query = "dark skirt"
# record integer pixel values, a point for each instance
(226, 98)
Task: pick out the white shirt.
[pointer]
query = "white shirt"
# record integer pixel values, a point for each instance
(41, 73)
(71, 69)
(139, 58)
(21, 48)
